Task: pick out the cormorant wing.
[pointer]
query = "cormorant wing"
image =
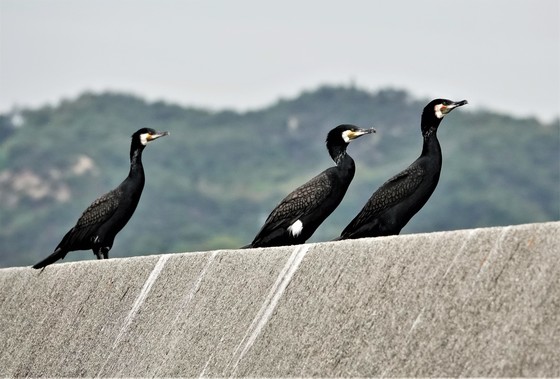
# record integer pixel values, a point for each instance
(393, 191)
(299, 203)
(100, 210)
(95, 215)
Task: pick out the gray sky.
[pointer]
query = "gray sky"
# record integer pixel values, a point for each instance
(502, 55)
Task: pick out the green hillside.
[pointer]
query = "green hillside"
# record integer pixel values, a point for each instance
(214, 180)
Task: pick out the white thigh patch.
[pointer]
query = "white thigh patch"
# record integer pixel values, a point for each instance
(296, 228)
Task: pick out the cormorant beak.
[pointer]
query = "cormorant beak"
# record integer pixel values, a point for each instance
(448, 108)
(358, 133)
(155, 136)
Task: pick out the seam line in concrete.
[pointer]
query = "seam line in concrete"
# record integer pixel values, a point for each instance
(268, 306)
(463, 246)
(185, 303)
(196, 286)
(203, 372)
(496, 248)
(418, 318)
(138, 303)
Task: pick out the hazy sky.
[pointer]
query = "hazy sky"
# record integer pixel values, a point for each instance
(244, 54)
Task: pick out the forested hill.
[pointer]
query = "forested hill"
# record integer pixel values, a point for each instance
(214, 180)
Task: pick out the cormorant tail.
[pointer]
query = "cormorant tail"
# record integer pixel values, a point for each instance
(58, 254)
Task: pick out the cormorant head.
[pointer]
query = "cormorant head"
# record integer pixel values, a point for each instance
(339, 138)
(435, 111)
(146, 135)
(344, 134)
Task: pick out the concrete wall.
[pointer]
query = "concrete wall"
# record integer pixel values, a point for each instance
(482, 302)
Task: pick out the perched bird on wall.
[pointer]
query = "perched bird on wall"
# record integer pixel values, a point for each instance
(297, 217)
(105, 217)
(392, 206)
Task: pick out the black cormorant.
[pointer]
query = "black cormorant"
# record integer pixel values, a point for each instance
(105, 217)
(297, 217)
(392, 206)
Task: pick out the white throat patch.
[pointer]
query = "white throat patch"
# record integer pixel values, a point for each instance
(345, 136)
(296, 228)
(437, 109)
(144, 139)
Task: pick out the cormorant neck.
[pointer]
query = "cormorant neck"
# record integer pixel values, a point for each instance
(431, 144)
(338, 153)
(429, 121)
(429, 127)
(344, 162)
(136, 160)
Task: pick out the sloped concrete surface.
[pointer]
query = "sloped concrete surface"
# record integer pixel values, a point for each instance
(481, 302)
